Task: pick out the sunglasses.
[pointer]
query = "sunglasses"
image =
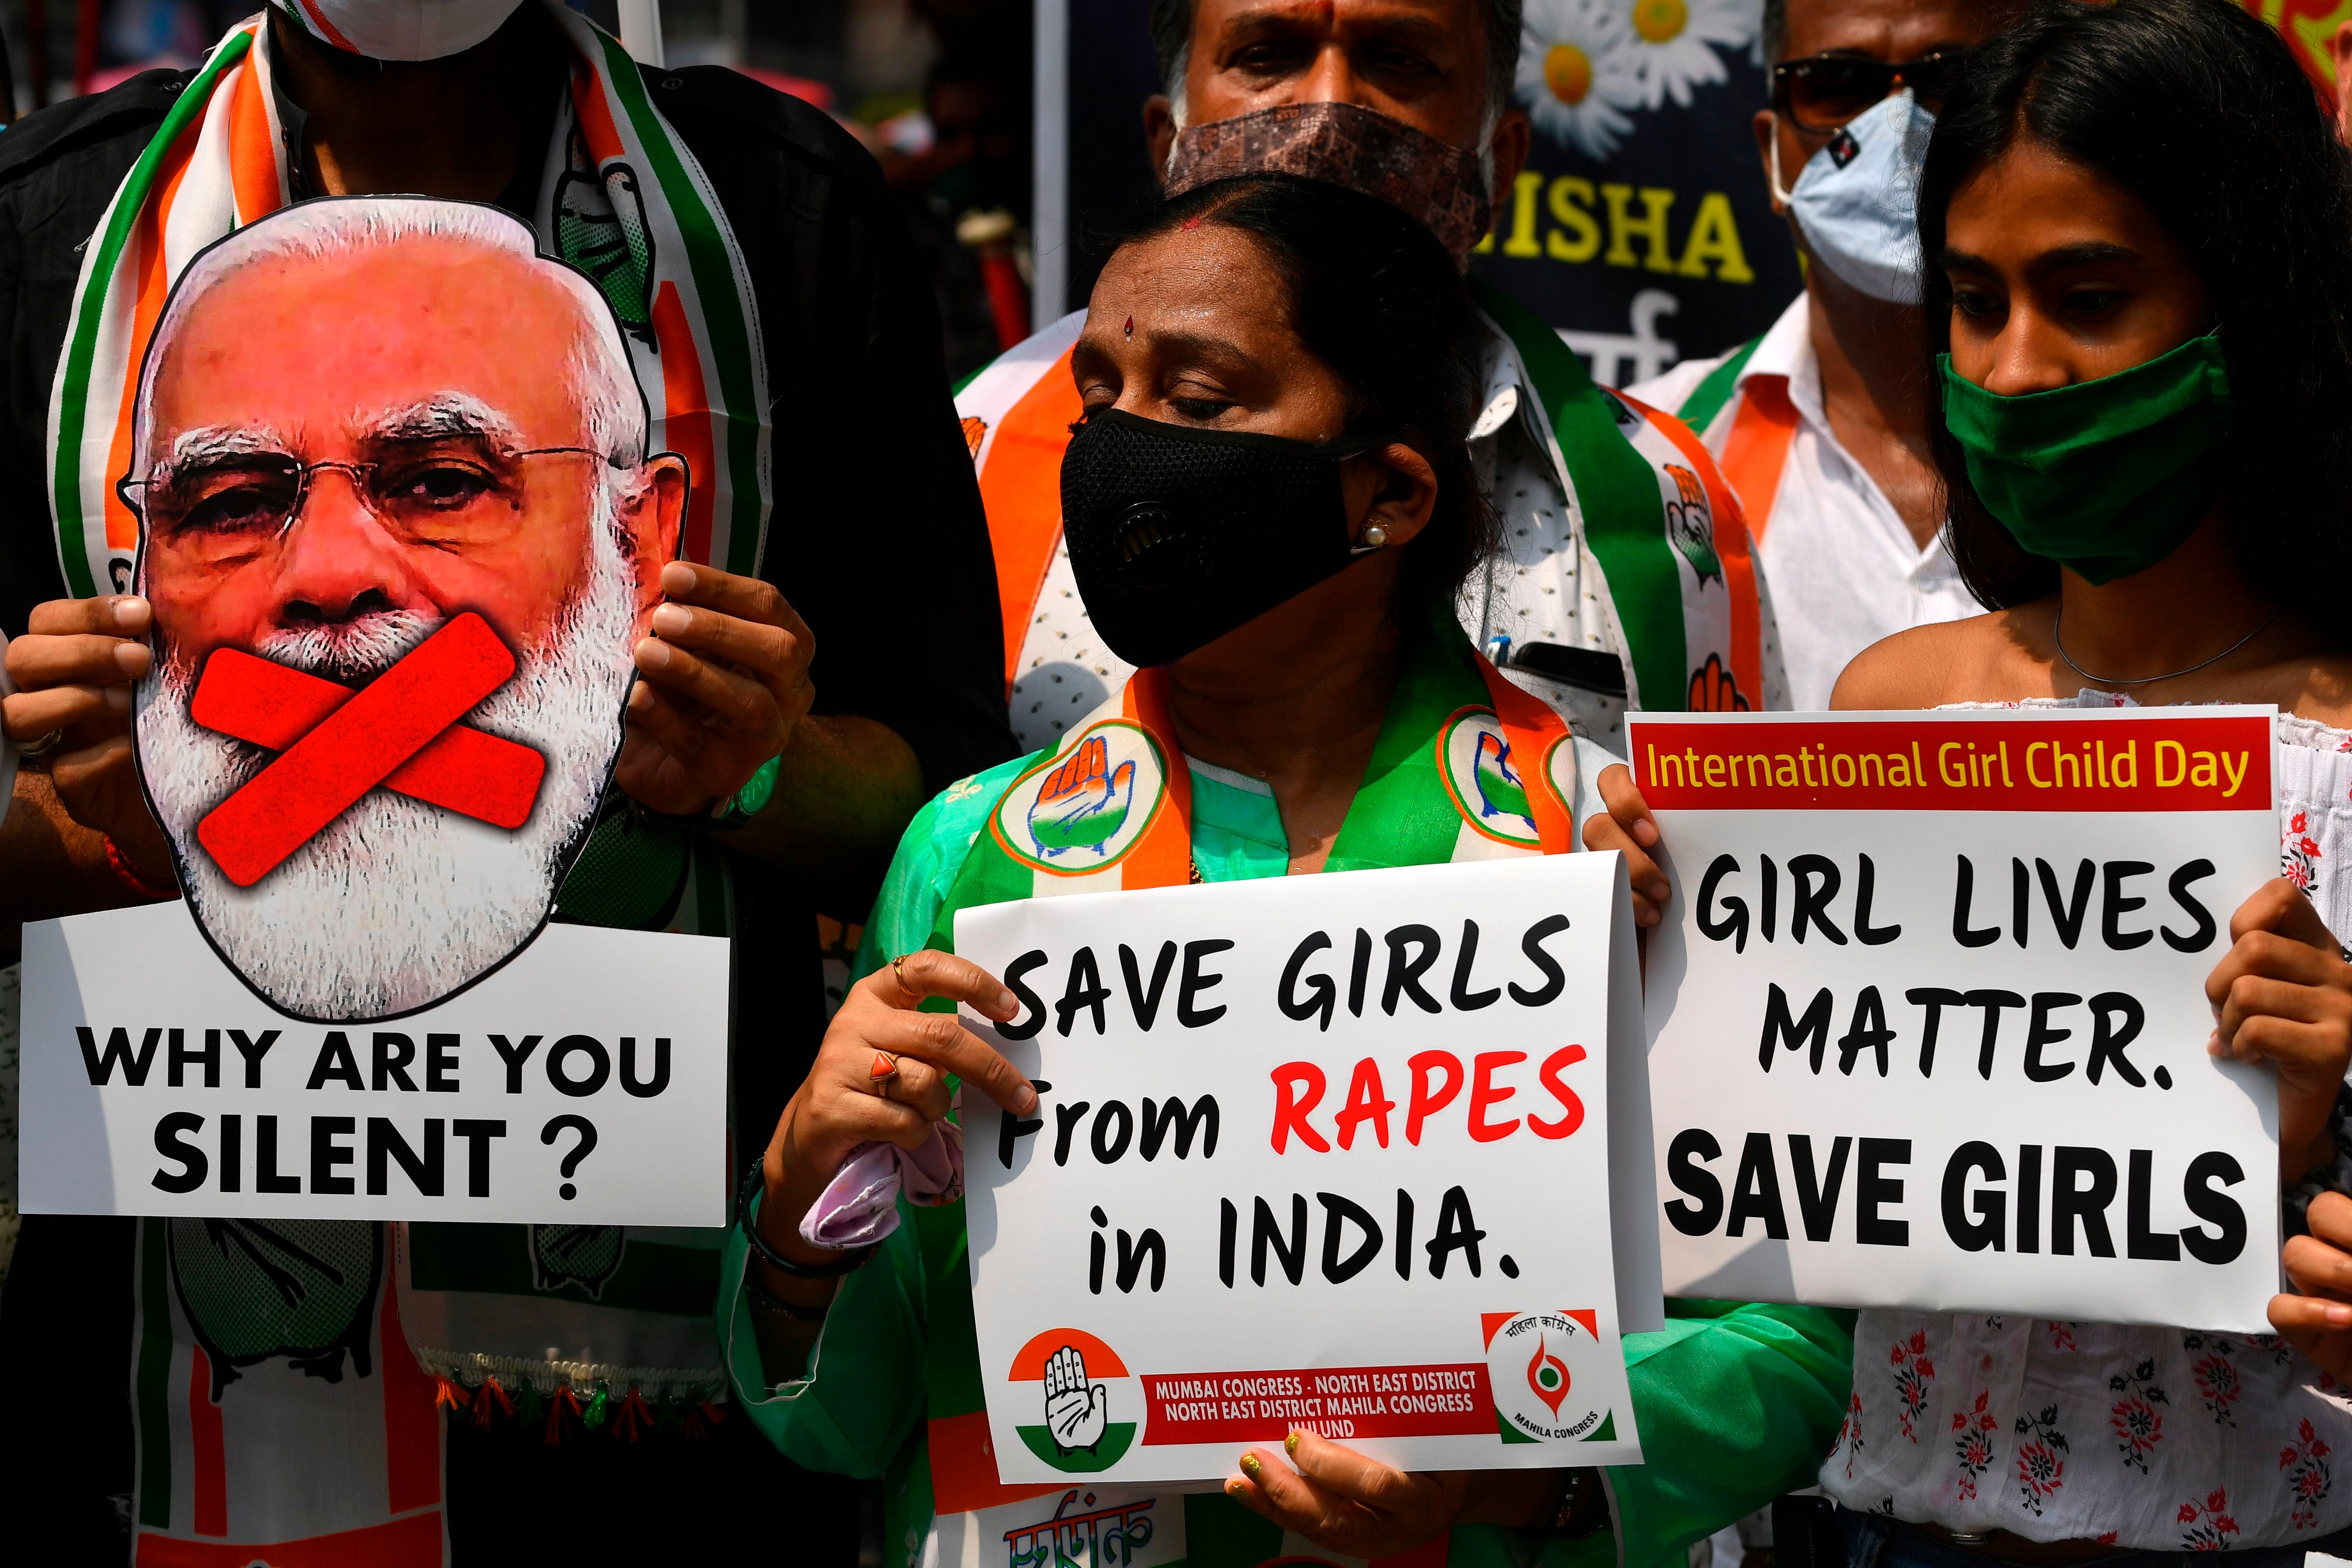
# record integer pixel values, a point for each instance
(1823, 92)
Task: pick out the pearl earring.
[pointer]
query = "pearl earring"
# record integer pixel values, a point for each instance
(1373, 537)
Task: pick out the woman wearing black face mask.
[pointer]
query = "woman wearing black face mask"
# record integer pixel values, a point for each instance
(2139, 231)
(1270, 509)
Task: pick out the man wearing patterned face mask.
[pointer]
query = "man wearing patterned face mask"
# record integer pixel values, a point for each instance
(1821, 424)
(1625, 579)
(342, 1391)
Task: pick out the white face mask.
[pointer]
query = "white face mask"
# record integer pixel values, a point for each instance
(1857, 199)
(401, 29)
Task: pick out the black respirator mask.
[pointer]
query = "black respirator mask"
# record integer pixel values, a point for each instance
(1177, 535)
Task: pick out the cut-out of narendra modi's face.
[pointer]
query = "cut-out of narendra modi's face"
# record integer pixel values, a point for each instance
(401, 533)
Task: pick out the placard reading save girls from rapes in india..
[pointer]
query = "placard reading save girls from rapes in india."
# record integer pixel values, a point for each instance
(1927, 1014)
(1330, 1152)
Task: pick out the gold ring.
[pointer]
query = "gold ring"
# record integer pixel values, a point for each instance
(897, 970)
(33, 751)
(885, 1069)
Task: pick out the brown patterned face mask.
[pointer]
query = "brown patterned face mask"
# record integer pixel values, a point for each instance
(1344, 143)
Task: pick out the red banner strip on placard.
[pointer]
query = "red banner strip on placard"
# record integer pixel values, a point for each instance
(2022, 761)
(356, 749)
(475, 774)
(1450, 1400)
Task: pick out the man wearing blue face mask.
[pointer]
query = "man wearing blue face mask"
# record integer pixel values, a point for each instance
(1821, 424)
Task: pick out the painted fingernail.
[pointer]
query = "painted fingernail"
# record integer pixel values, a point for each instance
(653, 654)
(1250, 1466)
(1290, 1445)
(1234, 1487)
(117, 698)
(672, 620)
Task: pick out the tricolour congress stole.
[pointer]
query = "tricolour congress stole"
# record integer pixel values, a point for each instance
(1466, 767)
(1667, 534)
(276, 1405)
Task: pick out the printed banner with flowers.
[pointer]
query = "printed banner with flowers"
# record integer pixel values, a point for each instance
(1641, 227)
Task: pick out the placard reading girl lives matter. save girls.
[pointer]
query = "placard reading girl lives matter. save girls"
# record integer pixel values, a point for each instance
(1927, 1014)
(1338, 1153)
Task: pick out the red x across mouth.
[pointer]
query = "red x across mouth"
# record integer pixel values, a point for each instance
(399, 732)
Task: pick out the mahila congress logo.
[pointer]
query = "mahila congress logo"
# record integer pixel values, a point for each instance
(1483, 778)
(1549, 1372)
(1090, 1403)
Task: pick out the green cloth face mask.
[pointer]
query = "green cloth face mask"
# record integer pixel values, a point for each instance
(2107, 477)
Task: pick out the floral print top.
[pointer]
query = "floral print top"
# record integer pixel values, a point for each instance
(2159, 1439)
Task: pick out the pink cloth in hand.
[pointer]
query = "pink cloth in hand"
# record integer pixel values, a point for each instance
(860, 1205)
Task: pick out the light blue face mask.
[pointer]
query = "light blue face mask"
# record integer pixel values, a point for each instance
(1857, 199)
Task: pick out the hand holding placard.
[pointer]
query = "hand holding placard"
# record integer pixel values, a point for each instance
(2282, 994)
(844, 1103)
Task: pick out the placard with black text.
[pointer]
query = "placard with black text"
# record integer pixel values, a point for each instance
(1927, 1014)
(1326, 1151)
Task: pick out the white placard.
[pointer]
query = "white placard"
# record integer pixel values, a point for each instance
(584, 1082)
(1927, 1014)
(1321, 1151)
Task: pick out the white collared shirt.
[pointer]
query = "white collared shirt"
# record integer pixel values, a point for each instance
(1844, 569)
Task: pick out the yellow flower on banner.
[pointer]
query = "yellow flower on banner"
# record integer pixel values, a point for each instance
(1671, 44)
(1575, 77)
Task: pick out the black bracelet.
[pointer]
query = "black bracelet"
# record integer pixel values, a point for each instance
(849, 1262)
(1583, 1508)
(763, 1296)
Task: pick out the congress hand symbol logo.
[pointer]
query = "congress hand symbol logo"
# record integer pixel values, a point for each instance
(1500, 789)
(1075, 1408)
(1084, 801)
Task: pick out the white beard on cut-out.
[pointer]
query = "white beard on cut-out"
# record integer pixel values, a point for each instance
(396, 904)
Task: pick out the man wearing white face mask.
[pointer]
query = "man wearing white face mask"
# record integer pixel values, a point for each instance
(302, 1390)
(1821, 424)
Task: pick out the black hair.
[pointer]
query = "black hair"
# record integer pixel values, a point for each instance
(1375, 296)
(1172, 40)
(2197, 110)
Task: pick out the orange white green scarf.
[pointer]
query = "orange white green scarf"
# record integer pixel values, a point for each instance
(1467, 767)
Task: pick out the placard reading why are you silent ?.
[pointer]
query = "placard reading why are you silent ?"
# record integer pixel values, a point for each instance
(1324, 1151)
(583, 1083)
(1927, 1014)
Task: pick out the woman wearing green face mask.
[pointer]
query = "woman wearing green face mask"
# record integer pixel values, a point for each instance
(2139, 229)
